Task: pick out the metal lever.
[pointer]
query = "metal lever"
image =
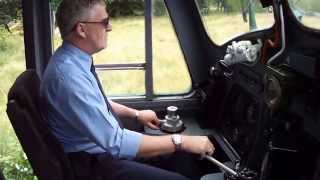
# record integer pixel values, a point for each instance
(218, 163)
(245, 174)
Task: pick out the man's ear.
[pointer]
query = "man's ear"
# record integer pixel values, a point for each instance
(80, 30)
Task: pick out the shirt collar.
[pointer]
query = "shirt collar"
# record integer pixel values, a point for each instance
(85, 58)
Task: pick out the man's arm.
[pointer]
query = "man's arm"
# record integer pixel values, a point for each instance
(123, 111)
(158, 145)
(145, 117)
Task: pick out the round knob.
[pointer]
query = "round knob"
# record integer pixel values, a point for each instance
(172, 111)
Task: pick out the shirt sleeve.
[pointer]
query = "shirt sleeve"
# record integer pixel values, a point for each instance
(85, 109)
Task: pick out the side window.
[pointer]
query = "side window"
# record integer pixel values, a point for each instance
(13, 161)
(170, 72)
(125, 49)
(307, 12)
(225, 19)
(143, 55)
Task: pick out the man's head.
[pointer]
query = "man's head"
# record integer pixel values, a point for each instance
(84, 23)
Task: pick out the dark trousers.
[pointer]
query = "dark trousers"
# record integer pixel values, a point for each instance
(105, 167)
(177, 166)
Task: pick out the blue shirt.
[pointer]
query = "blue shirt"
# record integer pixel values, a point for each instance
(76, 110)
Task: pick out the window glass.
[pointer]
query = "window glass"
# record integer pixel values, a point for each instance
(122, 82)
(225, 19)
(307, 12)
(170, 73)
(13, 161)
(125, 43)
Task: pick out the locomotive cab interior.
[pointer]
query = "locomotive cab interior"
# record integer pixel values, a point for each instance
(255, 96)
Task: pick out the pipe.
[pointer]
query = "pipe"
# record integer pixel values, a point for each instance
(283, 37)
(218, 163)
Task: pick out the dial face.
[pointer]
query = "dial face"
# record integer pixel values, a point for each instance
(273, 91)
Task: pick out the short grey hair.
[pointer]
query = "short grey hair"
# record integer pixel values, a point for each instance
(70, 12)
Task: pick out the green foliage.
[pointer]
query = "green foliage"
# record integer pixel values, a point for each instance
(55, 4)
(117, 8)
(159, 8)
(226, 6)
(12, 159)
(3, 41)
(307, 5)
(6, 44)
(16, 166)
(125, 7)
(232, 5)
(204, 6)
(10, 10)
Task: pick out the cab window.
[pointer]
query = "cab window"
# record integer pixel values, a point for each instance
(225, 19)
(306, 12)
(143, 56)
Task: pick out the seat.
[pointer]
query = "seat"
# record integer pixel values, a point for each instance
(43, 150)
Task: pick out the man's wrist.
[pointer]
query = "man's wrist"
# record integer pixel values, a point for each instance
(177, 141)
(136, 114)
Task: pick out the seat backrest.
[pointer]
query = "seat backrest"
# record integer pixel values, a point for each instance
(43, 150)
(1, 175)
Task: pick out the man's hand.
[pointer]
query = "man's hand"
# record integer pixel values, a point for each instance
(198, 145)
(148, 118)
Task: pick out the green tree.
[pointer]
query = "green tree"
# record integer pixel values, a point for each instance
(159, 8)
(248, 8)
(10, 10)
(125, 7)
(204, 6)
(117, 7)
(55, 4)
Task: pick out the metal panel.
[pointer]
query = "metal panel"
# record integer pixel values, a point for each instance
(188, 26)
(132, 66)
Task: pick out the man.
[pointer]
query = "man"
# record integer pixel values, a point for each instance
(83, 119)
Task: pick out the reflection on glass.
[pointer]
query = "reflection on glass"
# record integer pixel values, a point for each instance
(225, 19)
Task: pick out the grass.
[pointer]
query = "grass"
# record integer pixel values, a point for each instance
(312, 22)
(125, 45)
(167, 57)
(221, 28)
(12, 159)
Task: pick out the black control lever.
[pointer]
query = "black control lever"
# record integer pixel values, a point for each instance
(244, 174)
(221, 69)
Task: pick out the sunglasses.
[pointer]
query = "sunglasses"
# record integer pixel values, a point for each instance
(104, 22)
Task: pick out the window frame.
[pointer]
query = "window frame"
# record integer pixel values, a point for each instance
(38, 26)
(38, 38)
(147, 66)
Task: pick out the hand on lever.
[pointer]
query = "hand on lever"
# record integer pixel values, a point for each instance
(148, 118)
(198, 144)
